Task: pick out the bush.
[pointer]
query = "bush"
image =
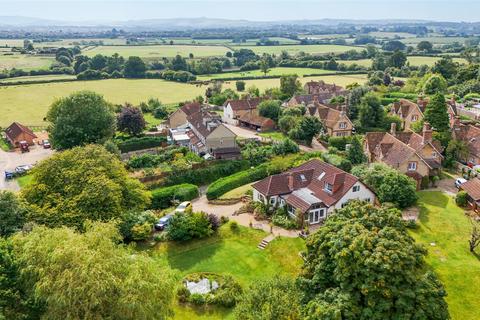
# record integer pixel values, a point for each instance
(141, 231)
(425, 183)
(234, 226)
(337, 161)
(197, 298)
(162, 197)
(214, 221)
(184, 227)
(224, 219)
(339, 142)
(461, 199)
(284, 222)
(140, 143)
(240, 85)
(136, 226)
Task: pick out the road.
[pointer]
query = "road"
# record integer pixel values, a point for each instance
(10, 160)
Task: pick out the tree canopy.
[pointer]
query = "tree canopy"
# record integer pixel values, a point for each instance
(12, 213)
(79, 184)
(363, 264)
(130, 120)
(81, 118)
(436, 113)
(270, 109)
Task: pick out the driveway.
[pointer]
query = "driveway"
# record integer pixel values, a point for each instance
(10, 160)
(243, 132)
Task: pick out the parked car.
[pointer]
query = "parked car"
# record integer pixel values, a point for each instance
(182, 207)
(24, 146)
(163, 222)
(9, 175)
(459, 182)
(46, 144)
(23, 168)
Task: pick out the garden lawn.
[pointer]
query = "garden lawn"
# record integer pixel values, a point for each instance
(4, 145)
(231, 253)
(294, 49)
(237, 192)
(445, 224)
(159, 51)
(258, 73)
(25, 62)
(274, 135)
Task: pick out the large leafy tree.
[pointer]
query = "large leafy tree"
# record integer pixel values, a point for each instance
(84, 183)
(273, 298)
(131, 120)
(81, 118)
(435, 83)
(371, 113)
(270, 109)
(88, 276)
(307, 128)
(12, 213)
(134, 68)
(436, 113)
(355, 152)
(289, 85)
(389, 184)
(362, 264)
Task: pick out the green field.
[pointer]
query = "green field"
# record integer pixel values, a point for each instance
(324, 36)
(391, 35)
(435, 40)
(257, 73)
(313, 49)
(445, 225)
(25, 62)
(39, 78)
(235, 254)
(11, 42)
(29, 103)
(413, 60)
(229, 42)
(158, 51)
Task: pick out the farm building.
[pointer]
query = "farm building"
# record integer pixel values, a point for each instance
(17, 132)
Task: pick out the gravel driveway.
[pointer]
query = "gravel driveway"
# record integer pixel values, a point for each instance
(10, 160)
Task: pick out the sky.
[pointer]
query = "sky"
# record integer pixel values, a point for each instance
(258, 10)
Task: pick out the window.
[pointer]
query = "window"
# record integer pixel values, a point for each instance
(412, 166)
(221, 141)
(302, 177)
(434, 154)
(356, 188)
(328, 187)
(367, 200)
(272, 200)
(414, 118)
(343, 125)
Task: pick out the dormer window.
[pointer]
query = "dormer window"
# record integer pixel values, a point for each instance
(414, 118)
(412, 166)
(328, 187)
(302, 177)
(343, 125)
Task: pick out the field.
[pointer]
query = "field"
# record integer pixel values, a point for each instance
(235, 254)
(158, 51)
(391, 35)
(273, 72)
(39, 78)
(434, 40)
(313, 49)
(25, 62)
(11, 42)
(413, 60)
(229, 42)
(445, 225)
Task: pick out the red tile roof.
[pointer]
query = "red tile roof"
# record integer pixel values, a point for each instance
(191, 108)
(244, 104)
(472, 187)
(253, 118)
(308, 179)
(16, 129)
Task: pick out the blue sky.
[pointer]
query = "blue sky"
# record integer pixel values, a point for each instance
(260, 10)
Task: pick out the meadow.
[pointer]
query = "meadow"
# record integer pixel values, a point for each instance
(158, 51)
(435, 40)
(443, 224)
(29, 103)
(312, 49)
(258, 73)
(25, 62)
(413, 60)
(39, 78)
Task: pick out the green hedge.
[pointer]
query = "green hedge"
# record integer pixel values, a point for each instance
(208, 174)
(140, 143)
(162, 197)
(337, 161)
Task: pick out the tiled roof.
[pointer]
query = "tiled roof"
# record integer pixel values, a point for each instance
(244, 104)
(472, 187)
(405, 107)
(322, 86)
(255, 119)
(469, 134)
(15, 129)
(191, 108)
(310, 178)
(204, 122)
(307, 99)
(329, 116)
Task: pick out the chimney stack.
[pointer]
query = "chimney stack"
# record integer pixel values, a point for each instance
(393, 129)
(427, 133)
(290, 181)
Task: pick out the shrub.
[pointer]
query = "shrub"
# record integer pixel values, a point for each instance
(234, 226)
(162, 197)
(214, 221)
(425, 183)
(183, 294)
(184, 227)
(136, 226)
(339, 142)
(284, 222)
(240, 85)
(337, 161)
(141, 231)
(197, 298)
(140, 143)
(461, 199)
(224, 219)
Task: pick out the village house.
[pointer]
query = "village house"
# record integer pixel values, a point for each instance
(234, 109)
(472, 188)
(335, 122)
(16, 133)
(314, 189)
(308, 99)
(253, 120)
(413, 154)
(179, 117)
(208, 135)
(320, 87)
(469, 134)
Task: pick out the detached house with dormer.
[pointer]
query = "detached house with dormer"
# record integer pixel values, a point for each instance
(314, 189)
(335, 122)
(413, 154)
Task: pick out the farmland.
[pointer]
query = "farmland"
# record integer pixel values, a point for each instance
(313, 49)
(257, 73)
(29, 103)
(25, 62)
(39, 78)
(158, 51)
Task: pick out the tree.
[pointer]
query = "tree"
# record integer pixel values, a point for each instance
(81, 118)
(389, 184)
(363, 264)
(394, 45)
(474, 241)
(435, 83)
(12, 213)
(98, 62)
(436, 113)
(397, 59)
(371, 113)
(355, 152)
(308, 128)
(88, 276)
(115, 63)
(289, 85)
(446, 67)
(457, 150)
(271, 298)
(264, 66)
(270, 109)
(240, 85)
(84, 183)
(426, 46)
(130, 120)
(134, 68)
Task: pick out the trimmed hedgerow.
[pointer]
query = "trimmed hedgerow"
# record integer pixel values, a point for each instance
(162, 197)
(337, 161)
(140, 143)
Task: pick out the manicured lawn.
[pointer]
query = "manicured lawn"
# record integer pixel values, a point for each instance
(257, 73)
(318, 48)
(235, 254)
(443, 223)
(151, 120)
(274, 135)
(4, 145)
(25, 62)
(237, 192)
(159, 51)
